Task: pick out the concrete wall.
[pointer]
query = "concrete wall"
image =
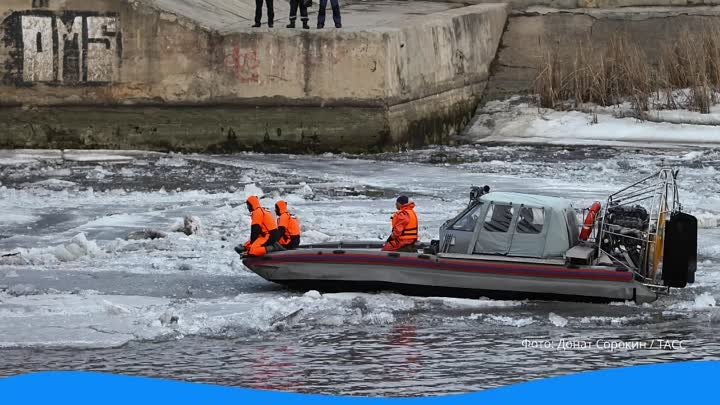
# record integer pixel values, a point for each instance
(516, 65)
(154, 59)
(438, 67)
(525, 5)
(83, 73)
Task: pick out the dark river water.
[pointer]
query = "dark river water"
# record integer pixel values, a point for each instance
(399, 359)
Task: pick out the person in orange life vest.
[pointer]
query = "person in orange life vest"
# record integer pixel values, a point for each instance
(288, 225)
(263, 230)
(404, 227)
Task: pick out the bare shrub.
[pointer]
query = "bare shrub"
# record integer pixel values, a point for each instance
(620, 70)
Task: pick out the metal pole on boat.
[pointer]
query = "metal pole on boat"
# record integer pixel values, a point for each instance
(634, 184)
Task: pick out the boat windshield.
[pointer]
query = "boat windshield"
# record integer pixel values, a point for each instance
(467, 222)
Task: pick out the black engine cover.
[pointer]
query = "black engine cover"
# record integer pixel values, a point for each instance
(680, 251)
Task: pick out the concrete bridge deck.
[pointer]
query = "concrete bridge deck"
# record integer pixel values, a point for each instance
(233, 16)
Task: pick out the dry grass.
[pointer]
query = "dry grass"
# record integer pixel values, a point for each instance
(620, 71)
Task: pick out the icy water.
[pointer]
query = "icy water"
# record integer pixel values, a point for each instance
(76, 295)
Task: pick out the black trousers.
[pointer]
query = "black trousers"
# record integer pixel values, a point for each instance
(258, 11)
(294, 4)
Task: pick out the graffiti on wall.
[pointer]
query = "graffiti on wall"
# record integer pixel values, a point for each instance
(65, 48)
(243, 63)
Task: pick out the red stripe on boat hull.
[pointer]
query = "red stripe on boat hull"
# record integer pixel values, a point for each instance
(484, 267)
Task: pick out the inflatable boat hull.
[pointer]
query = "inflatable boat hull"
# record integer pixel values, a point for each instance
(336, 270)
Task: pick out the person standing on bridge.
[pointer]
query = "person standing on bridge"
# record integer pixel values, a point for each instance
(303, 4)
(335, 11)
(258, 13)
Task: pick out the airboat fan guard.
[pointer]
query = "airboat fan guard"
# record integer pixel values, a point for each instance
(642, 228)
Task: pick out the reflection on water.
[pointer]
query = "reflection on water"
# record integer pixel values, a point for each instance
(403, 359)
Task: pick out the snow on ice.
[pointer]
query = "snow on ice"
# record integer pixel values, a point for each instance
(515, 121)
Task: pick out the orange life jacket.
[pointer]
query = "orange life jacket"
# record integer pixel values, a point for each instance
(288, 221)
(406, 215)
(262, 217)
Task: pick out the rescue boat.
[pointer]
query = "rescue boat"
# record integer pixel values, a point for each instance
(637, 245)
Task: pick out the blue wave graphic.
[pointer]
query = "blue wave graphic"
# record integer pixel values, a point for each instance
(673, 383)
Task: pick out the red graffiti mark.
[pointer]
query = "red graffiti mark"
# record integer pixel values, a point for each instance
(244, 64)
(338, 54)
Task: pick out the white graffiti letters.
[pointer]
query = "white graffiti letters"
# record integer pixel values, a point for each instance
(100, 48)
(38, 49)
(70, 48)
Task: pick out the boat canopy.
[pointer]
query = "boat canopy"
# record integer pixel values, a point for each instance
(515, 224)
(534, 225)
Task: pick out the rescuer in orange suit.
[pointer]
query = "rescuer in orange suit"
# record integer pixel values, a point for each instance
(288, 225)
(404, 227)
(264, 233)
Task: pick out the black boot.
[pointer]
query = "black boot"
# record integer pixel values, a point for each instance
(240, 249)
(256, 25)
(291, 25)
(336, 16)
(305, 25)
(275, 247)
(320, 26)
